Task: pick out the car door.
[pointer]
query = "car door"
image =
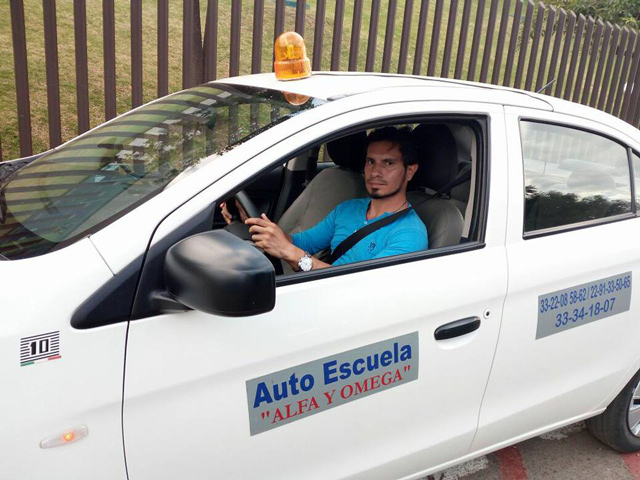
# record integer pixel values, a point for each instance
(568, 339)
(298, 392)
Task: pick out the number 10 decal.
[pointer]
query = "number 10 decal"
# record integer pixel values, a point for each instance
(39, 348)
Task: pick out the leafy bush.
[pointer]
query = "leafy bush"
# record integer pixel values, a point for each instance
(622, 12)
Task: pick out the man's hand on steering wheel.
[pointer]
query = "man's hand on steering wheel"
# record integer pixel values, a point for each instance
(269, 237)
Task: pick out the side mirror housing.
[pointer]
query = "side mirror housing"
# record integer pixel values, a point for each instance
(218, 273)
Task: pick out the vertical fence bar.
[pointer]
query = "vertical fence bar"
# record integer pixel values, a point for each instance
(236, 25)
(258, 29)
(109, 57)
(163, 48)
(607, 73)
(406, 33)
(318, 35)
(435, 38)
(568, 35)
(475, 44)
(595, 48)
(187, 44)
(21, 76)
(616, 69)
(373, 35)
(577, 90)
(1, 158)
(577, 41)
(557, 43)
(462, 40)
(524, 43)
(488, 43)
(53, 82)
(624, 88)
(338, 21)
(356, 24)
(634, 112)
(448, 43)
(601, 62)
(210, 47)
(82, 73)
(544, 54)
(388, 35)
(513, 41)
(300, 12)
(136, 53)
(502, 35)
(279, 19)
(631, 86)
(422, 28)
(534, 47)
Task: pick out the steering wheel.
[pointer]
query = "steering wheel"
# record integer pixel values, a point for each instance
(241, 230)
(247, 204)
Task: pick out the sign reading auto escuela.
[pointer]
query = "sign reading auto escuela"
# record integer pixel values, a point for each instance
(297, 392)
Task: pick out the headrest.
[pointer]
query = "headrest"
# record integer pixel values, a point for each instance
(349, 152)
(438, 156)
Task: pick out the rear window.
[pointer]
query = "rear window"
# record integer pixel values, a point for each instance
(91, 181)
(572, 176)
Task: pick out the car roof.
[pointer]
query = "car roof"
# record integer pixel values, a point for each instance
(336, 85)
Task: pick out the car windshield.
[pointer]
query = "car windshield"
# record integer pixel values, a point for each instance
(91, 181)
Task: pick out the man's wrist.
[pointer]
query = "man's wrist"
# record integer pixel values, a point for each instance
(293, 256)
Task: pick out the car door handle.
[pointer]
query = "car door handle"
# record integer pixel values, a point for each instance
(457, 328)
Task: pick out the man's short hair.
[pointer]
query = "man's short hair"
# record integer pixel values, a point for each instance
(401, 137)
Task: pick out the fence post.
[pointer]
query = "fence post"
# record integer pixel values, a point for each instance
(435, 39)
(422, 27)
(53, 86)
(163, 48)
(136, 53)
(406, 33)
(448, 42)
(355, 35)
(192, 56)
(318, 35)
(21, 76)
(109, 56)
(373, 35)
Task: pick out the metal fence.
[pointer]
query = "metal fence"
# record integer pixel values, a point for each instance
(516, 43)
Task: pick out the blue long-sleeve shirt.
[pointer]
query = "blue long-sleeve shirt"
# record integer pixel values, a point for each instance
(405, 235)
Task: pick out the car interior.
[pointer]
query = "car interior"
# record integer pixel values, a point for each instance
(301, 191)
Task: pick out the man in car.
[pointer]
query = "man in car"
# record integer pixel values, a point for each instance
(391, 162)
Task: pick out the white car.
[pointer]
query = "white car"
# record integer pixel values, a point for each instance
(143, 338)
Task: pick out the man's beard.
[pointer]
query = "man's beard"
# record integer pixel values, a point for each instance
(378, 196)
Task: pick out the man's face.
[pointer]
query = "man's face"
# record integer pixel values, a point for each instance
(384, 172)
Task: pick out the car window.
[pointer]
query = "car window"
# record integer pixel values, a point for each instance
(572, 176)
(89, 182)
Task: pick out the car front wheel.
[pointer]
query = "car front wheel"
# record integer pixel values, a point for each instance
(619, 425)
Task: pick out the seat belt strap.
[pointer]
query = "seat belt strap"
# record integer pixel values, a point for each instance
(349, 242)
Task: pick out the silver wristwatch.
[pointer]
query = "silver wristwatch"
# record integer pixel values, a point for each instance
(305, 263)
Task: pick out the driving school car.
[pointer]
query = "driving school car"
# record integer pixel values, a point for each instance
(144, 338)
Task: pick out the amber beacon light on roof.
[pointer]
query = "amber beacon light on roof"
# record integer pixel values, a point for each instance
(291, 57)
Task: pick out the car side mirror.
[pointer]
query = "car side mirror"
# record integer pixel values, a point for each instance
(218, 273)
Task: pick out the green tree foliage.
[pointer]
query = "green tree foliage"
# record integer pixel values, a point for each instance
(622, 12)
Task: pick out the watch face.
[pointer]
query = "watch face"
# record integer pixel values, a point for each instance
(305, 263)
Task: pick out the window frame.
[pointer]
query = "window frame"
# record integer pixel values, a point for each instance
(481, 126)
(579, 225)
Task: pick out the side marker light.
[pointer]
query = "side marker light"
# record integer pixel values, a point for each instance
(291, 57)
(65, 438)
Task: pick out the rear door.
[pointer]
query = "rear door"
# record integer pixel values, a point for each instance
(570, 328)
(344, 376)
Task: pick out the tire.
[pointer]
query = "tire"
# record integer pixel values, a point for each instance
(612, 427)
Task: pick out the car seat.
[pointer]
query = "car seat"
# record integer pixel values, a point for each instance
(331, 186)
(438, 166)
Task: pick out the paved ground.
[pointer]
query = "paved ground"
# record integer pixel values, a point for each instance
(566, 454)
